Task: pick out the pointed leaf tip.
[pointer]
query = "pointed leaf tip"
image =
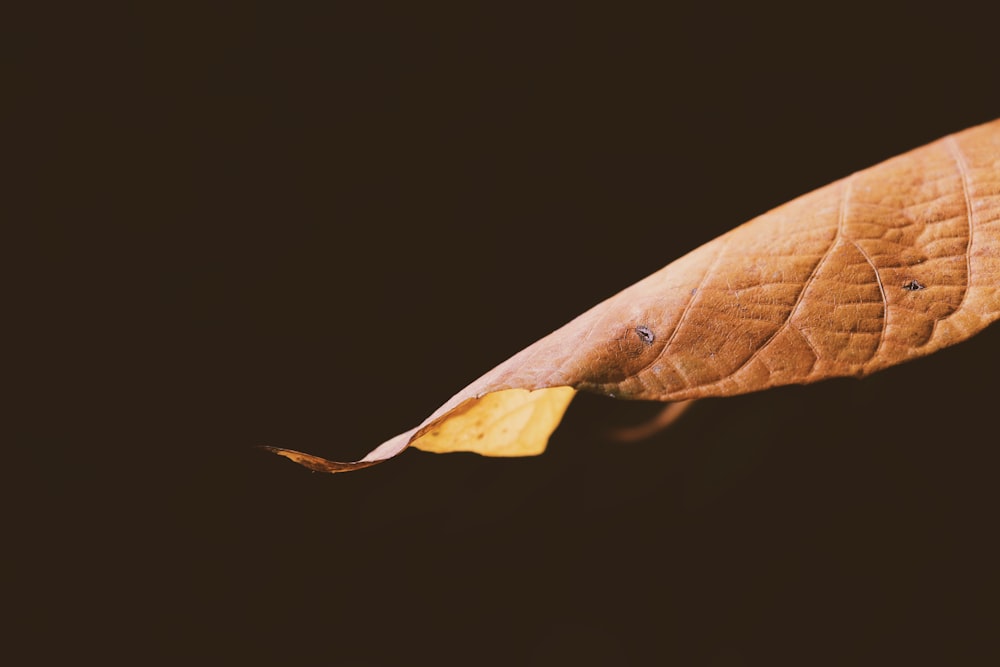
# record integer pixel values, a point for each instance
(316, 463)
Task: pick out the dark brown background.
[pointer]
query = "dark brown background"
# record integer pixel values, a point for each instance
(310, 228)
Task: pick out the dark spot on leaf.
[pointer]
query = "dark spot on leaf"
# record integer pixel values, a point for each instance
(913, 286)
(645, 334)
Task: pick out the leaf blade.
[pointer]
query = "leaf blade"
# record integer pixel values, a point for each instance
(884, 266)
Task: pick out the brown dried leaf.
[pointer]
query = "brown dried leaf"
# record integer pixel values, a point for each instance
(887, 265)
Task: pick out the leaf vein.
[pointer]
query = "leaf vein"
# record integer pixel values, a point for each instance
(963, 171)
(805, 283)
(885, 301)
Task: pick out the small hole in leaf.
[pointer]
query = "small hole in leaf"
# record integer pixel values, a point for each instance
(913, 286)
(645, 334)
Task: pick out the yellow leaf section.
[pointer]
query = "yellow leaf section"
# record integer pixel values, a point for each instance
(512, 422)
